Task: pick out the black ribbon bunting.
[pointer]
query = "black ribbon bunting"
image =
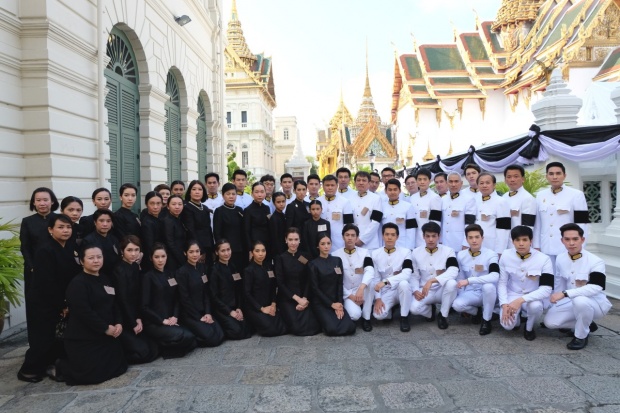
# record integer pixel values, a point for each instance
(532, 150)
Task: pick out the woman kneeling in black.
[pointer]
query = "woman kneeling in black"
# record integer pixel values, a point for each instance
(195, 297)
(160, 308)
(260, 294)
(94, 351)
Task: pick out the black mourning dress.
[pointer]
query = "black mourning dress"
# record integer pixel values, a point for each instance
(33, 232)
(92, 356)
(228, 224)
(197, 220)
(54, 267)
(227, 288)
(326, 281)
(126, 223)
(151, 231)
(160, 302)
(138, 348)
(297, 213)
(195, 297)
(88, 224)
(277, 234)
(110, 247)
(77, 232)
(256, 224)
(292, 278)
(260, 291)
(175, 236)
(310, 235)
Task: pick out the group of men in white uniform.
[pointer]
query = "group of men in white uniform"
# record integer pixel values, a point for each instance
(470, 249)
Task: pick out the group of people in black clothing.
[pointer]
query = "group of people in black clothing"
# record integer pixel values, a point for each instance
(117, 288)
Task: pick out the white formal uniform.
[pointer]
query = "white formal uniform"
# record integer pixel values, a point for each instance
(337, 210)
(493, 215)
(440, 264)
(583, 278)
(243, 200)
(393, 266)
(481, 269)
(426, 207)
(522, 209)
(309, 198)
(367, 216)
(212, 202)
(555, 209)
(530, 277)
(384, 197)
(357, 269)
(269, 203)
(458, 211)
(399, 213)
(347, 193)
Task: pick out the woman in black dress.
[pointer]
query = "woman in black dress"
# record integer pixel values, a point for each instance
(34, 229)
(102, 199)
(55, 264)
(326, 280)
(126, 222)
(195, 297)
(227, 288)
(313, 227)
(138, 348)
(277, 226)
(73, 207)
(94, 350)
(260, 294)
(197, 220)
(164, 191)
(175, 234)
(228, 224)
(297, 212)
(102, 237)
(256, 218)
(293, 288)
(152, 229)
(160, 308)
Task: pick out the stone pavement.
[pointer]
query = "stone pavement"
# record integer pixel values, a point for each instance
(427, 370)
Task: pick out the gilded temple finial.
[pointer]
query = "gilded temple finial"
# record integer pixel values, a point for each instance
(429, 155)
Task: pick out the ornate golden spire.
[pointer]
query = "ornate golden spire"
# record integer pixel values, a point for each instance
(367, 93)
(236, 38)
(450, 149)
(429, 155)
(513, 13)
(367, 108)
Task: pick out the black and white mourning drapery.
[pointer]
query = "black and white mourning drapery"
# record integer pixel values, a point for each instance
(577, 144)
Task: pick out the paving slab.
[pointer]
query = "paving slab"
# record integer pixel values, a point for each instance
(603, 389)
(293, 355)
(435, 368)
(478, 392)
(38, 403)
(546, 365)
(224, 399)
(102, 402)
(544, 389)
(266, 375)
(401, 350)
(319, 373)
(373, 371)
(490, 366)
(410, 395)
(594, 363)
(166, 399)
(346, 399)
(444, 347)
(280, 399)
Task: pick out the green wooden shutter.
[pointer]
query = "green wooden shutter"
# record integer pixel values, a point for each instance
(201, 140)
(111, 104)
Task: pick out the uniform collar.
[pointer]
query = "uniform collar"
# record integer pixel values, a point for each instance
(350, 252)
(431, 251)
(240, 193)
(312, 198)
(362, 194)
(513, 193)
(393, 202)
(474, 254)
(288, 196)
(423, 193)
(330, 198)
(268, 198)
(212, 196)
(342, 191)
(473, 189)
(557, 191)
(486, 198)
(524, 257)
(444, 194)
(576, 256)
(454, 196)
(389, 251)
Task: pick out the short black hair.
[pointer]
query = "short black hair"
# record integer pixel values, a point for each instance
(557, 165)
(392, 181)
(343, 169)
(255, 184)
(101, 212)
(441, 175)
(408, 177)
(212, 175)
(177, 182)
(474, 228)
(571, 227)
(389, 225)
(424, 171)
(277, 194)
(161, 187)
(472, 166)
(126, 186)
(330, 178)
(387, 168)
(188, 193)
(239, 172)
(521, 231)
(59, 217)
(152, 194)
(68, 200)
(315, 202)
(431, 227)
(285, 175)
(267, 178)
(227, 187)
(362, 174)
(313, 176)
(99, 190)
(348, 227)
(299, 182)
(514, 167)
(483, 174)
(375, 174)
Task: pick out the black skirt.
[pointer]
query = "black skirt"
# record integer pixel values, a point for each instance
(93, 361)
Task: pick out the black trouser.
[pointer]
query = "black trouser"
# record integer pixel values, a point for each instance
(174, 341)
(207, 335)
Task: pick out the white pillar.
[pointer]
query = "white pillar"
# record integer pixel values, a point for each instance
(558, 108)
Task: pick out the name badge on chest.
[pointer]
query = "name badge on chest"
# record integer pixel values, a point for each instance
(335, 216)
(204, 278)
(478, 267)
(338, 270)
(236, 276)
(400, 221)
(423, 214)
(271, 274)
(359, 270)
(485, 217)
(109, 290)
(302, 259)
(172, 282)
(322, 227)
(514, 212)
(364, 211)
(454, 214)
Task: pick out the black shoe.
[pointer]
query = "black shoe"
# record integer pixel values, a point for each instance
(485, 328)
(477, 319)
(53, 372)
(432, 317)
(593, 327)
(404, 324)
(577, 343)
(442, 322)
(366, 326)
(529, 335)
(30, 378)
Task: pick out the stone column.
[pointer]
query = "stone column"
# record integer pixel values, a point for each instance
(558, 108)
(152, 137)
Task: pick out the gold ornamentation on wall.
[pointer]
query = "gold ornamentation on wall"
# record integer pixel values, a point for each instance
(513, 99)
(482, 103)
(526, 93)
(438, 116)
(451, 117)
(459, 107)
(417, 117)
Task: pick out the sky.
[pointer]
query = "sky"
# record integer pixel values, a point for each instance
(318, 48)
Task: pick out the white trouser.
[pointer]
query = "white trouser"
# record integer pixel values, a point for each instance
(469, 301)
(393, 296)
(534, 311)
(577, 313)
(355, 311)
(444, 295)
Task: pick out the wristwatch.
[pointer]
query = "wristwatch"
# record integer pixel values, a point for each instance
(565, 293)
(386, 282)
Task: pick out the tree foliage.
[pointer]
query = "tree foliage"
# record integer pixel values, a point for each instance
(534, 182)
(11, 267)
(232, 166)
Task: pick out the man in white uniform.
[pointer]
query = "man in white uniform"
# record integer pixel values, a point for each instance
(426, 204)
(441, 183)
(286, 183)
(472, 171)
(412, 187)
(367, 213)
(240, 180)
(399, 213)
(458, 211)
(336, 209)
(493, 214)
(214, 198)
(344, 179)
(314, 186)
(522, 204)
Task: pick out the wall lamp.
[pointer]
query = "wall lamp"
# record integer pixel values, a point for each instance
(182, 20)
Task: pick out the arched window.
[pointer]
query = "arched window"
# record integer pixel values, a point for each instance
(201, 139)
(122, 103)
(172, 127)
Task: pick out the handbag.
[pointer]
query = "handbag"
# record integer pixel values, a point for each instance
(61, 325)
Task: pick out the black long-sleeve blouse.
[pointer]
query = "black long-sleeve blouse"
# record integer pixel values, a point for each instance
(227, 287)
(159, 296)
(151, 231)
(310, 235)
(92, 308)
(126, 223)
(33, 232)
(194, 293)
(297, 213)
(175, 236)
(128, 292)
(256, 223)
(292, 275)
(110, 247)
(228, 224)
(326, 281)
(259, 285)
(197, 220)
(277, 234)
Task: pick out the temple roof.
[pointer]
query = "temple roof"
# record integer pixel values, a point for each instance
(610, 71)
(365, 138)
(367, 107)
